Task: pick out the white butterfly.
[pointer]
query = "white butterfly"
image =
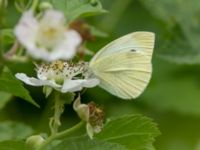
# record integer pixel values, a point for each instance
(124, 66)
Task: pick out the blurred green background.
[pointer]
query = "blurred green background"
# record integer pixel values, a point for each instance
(172, 98)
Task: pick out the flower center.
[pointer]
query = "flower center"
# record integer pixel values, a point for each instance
(58, 71)
(49, 36)
(96, 117)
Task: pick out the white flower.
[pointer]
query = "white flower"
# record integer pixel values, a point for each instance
(47, 38)
(91, 114)
(61, 76)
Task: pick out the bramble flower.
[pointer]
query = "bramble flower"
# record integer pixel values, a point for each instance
(62, 76)
(91, 114)
(47, 38)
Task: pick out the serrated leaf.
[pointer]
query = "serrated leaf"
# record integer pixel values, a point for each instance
(14, 131)
(9, 84)
(12, 145)
(84, 143)
(176, 47)
(135, 132)
(5, 97)
(76, 8)
(176, 13)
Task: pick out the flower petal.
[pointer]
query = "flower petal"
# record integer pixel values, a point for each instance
(39, 53)
(36, 82)
(53, 17)
(26, 30)
(81, 109)
(78, 85)
(90, 130)
(64, 50)
(68, 47)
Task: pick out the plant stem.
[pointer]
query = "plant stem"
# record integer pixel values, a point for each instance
(62, 134)
(54, 122)
(34, 5)
(12, 51)
(45, 115)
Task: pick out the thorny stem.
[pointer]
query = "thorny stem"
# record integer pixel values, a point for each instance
(54, 122)
(62, 134)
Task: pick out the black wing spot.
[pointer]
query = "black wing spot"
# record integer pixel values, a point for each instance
(133, 50)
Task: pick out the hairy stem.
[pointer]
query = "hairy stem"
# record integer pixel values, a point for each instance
(54, 122)
(62, 134)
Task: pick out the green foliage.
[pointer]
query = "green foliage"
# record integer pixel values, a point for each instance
(172, 98)
(6, 39)
(178, 13)
(135, 132)
(174, 88)
(97, 32)
(14, 131)
(6, 36)
(78, 8)
(84, 143)
(129, 132)
(5, 97)
(8, 16)
(8, 83)
(12, 145)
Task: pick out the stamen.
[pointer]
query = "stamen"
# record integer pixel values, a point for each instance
(59, 70)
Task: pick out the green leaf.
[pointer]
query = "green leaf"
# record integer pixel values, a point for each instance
(5, 97)
(78, 8)
(98, 32)
(9, 16)
(181, 40)
(12, 145)
(14, 131)
(176, 47)
(174, 88)
(84, 143)
(9, 84)
(7, 36)
(180, 132)
(135, 132)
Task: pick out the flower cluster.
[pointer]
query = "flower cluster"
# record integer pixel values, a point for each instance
(50, 38)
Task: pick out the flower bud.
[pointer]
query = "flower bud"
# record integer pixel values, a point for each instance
(45, 5)
(47, 90)
(34, 142)
(92, 114)
(94, 2)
